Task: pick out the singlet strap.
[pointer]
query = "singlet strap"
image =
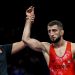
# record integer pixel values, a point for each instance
(68, 46)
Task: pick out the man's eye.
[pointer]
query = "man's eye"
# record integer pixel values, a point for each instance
(54, 30)
(49, 31)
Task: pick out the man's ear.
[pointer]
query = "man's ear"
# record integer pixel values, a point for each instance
(62, 32)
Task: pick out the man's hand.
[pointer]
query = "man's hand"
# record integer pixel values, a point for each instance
(30, 13)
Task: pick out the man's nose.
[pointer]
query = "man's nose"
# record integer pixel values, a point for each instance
(52, 33)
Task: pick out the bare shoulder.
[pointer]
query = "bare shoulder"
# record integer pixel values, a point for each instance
(46, 45)
(73, 47)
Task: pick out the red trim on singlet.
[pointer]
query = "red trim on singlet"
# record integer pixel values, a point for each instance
(58, 63)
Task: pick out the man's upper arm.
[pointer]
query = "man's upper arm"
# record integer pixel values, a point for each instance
(35, 44)
(17, 46)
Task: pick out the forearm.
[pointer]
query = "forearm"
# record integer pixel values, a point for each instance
(27, 28)
(30, 16)
(17, 46)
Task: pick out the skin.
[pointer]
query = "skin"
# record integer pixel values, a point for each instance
(54, 33)
(18, 46)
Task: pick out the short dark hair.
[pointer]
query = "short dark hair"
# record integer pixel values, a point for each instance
(55, 22)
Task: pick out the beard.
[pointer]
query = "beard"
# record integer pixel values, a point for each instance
(56, 41)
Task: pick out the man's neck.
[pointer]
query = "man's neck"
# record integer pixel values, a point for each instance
(60, 43)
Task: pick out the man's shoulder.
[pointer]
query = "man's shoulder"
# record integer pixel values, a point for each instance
(72, 46)
(45, 43)
(72, 43)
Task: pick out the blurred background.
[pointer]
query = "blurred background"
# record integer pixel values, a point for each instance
(12, 20)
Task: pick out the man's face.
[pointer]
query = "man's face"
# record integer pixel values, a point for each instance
(55, 33)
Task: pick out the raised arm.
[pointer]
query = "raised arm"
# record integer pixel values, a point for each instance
(17, 46)
(31, 42)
